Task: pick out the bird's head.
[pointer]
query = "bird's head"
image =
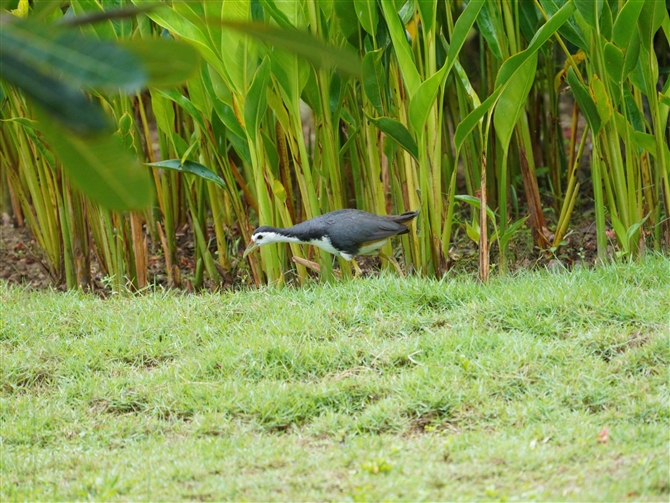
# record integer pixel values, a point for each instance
(262, 236)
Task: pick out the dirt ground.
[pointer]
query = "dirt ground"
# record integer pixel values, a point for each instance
(21, 260)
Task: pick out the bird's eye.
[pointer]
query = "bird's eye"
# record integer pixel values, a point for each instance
(258, 238)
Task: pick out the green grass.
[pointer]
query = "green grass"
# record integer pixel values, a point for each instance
(377, 389)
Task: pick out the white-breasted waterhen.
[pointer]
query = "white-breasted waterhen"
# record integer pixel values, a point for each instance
(344, 233)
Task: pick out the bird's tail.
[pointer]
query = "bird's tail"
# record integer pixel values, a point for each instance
(405, 217)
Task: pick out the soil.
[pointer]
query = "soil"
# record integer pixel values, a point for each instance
(21, 261)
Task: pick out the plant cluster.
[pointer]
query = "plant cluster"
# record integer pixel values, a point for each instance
(297, 108)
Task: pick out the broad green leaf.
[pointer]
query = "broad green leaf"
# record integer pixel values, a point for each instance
(512, 101)
(347, 20)
(613, 62)
(171, 20)
(373, 79)
(466, 126)
(621, 233)
(63, 103)
(472, 231)
(219, 131)
(279, 191)
(100, 167)
(529, 19)
(366, 11)
(185, 103)
(590, 10)
(606, 21)
(461, 32)
(664, 98)
(508, 69)
(465, 82)
(570, 30)
(486, 21)
(167, 63)
(163, 112)
(70, 57)
(586, 103)
(192, 167)
(543, 34)
(633, 113)
(255, 104)
(631, 54)
(645, 141)
(650, 20)
(634, 228)
(602, 100)
(276, 13)
(424, 99)
(292, 75)
(402, 49)
(427, 8)
(626, 22)
(302, 43)
(511, 230)
(475, 202)
(398, 132)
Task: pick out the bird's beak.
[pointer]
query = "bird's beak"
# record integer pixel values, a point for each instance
(252, 246)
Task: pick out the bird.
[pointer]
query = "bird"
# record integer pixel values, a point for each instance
(344, 233)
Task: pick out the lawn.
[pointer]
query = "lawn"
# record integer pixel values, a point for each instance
(541, 386)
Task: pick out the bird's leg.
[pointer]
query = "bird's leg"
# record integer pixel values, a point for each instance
(393, 261)
(357, 270)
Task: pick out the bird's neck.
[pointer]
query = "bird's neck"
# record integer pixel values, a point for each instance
(281, 236)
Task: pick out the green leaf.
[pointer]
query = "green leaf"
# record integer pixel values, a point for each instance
(366, 11)
(373, 79)
(650, 20)
(590, 10)
(606, 22)
(511, 230)
(633, 113)
(71, 58)
(398, 132)
(543, 34)
(468, 124)
(402, 49)
(192, 167)
(63, 103)
(586, 103)
(424, 98)
(645, 141)
(472, 231)
(100, 167)
(631, 55)
(271, 8)
(626, 23)
(167, 63)
(486, 21)
(302, 43)
(621, 233)
(512, 101)
(602, 100)
(255, 104)
(475, 202)
(427, 8)
(570, 30)
(613, 62)
(461, 32)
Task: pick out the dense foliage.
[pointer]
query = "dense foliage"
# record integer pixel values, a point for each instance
(297, 108)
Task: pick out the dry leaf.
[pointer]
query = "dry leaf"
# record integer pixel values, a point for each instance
(604, 435)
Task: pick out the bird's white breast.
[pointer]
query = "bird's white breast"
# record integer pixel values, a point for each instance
(325, 244)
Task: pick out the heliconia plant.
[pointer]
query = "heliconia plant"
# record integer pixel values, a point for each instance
(297, 108)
